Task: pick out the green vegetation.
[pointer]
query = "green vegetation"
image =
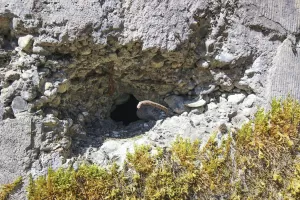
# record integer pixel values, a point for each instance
(259, 161)
(6, 189)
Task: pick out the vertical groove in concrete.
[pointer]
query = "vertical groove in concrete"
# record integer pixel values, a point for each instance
(285, 75)
(284, 12)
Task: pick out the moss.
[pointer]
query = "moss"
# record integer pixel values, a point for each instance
(6, 189)
(259, 161)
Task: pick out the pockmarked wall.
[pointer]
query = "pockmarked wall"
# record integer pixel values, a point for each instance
(66, 65)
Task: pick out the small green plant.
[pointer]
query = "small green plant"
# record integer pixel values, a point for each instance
(259, 161)
(6, 189)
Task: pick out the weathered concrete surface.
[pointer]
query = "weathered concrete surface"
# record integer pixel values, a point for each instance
(285, 72)
(281, 17)
(153, 22)
(15, 140)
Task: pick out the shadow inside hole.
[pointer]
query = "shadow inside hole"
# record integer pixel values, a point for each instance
(107, 129)
(126, 112)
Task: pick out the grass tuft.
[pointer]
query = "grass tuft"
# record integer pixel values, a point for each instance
(6, 189)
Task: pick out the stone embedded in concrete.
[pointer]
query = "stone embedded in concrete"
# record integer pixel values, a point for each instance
(40, 51)
(236, 98)
(225, 57)
(63, 87)
(19, 105)
(176, 103)
(25, 43)
(205, 89)
(28, 94)
(198, 103)
(48, 85)
(249, 101)
(7, 95)
(50, 120)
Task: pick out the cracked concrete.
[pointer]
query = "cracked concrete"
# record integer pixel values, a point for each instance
(70, 63)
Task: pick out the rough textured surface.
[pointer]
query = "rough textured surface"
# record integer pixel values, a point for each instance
(18, 105)
(285, 73)
(16, 140)
(131, 20)
(71, 63)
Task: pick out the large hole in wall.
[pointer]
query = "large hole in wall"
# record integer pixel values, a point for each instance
(99, 74)
(97, 81)
(126, 112)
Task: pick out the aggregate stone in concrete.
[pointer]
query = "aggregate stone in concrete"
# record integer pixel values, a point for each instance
(19, 105)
